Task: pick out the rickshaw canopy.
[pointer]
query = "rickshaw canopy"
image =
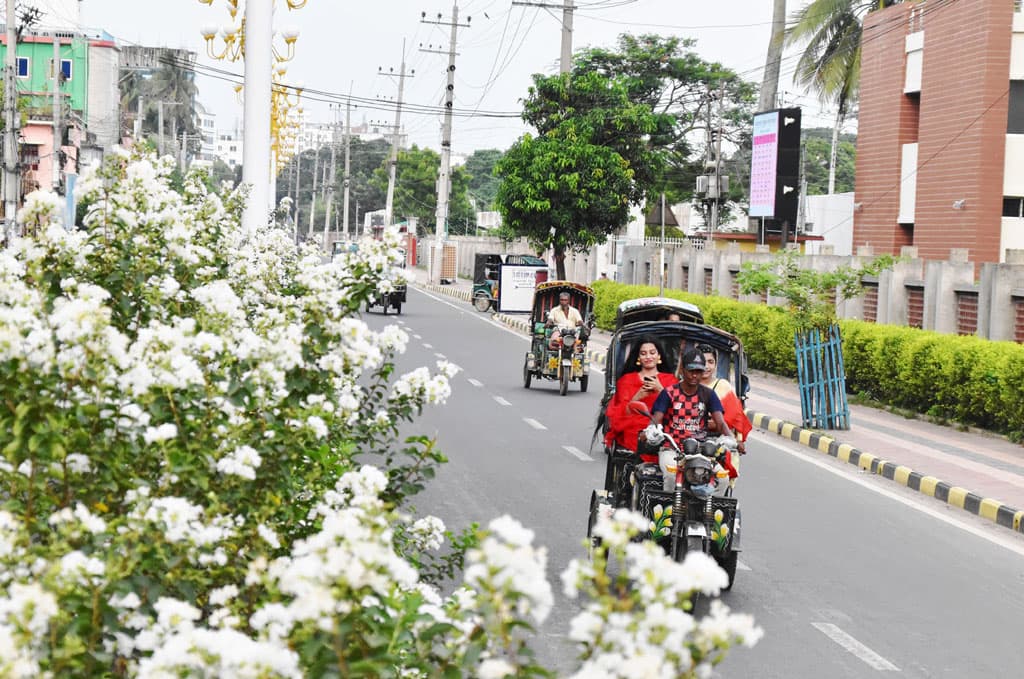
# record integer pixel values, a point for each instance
(545, 298)
(644, 309)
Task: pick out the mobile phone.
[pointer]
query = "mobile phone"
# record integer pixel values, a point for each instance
(648, 378)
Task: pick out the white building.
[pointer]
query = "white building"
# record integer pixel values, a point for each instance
(208, 137)
(229, 146)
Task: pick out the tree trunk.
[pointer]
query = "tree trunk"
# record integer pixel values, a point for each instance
(770, 83)
(559, 255)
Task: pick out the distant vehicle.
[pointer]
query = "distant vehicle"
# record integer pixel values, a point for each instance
(516, 273)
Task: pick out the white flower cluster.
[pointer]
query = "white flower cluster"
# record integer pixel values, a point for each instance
(427, 533)
(511, 571)
(25, 614)
(420, 385)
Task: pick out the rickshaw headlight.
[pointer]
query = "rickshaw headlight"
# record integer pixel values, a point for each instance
(697, 475)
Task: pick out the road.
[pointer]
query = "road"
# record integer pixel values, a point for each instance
(848, 576)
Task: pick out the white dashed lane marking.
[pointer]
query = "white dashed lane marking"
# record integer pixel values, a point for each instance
(476, 383)
(855, 647)
(576, 452)
(533, 423)
(439, 355)
(502, 401)
(417, 336)
(428, 346)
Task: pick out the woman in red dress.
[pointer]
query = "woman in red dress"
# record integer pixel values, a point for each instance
(642, 386)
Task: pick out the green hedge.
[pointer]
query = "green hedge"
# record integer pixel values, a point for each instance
(967, 379)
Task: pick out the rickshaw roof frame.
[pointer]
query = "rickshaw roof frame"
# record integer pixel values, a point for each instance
(689, 312)
(578, 292)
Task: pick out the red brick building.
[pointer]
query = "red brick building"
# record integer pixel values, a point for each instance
(940, 148)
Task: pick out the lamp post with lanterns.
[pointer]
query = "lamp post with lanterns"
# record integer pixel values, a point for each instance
(251, 38)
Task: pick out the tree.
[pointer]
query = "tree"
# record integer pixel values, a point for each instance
(817, 157)
(683, 89)
(773, 57)
(830, 31)
(483, 185)
(416, 190)
(174, 85)
(571, 186)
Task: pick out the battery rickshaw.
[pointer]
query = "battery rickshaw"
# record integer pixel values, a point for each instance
(671, 488)
(392, 299)
(563, 359)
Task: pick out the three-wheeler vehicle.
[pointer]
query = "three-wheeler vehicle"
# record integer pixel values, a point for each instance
(565, 358)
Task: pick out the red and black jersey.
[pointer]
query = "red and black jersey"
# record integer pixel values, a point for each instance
(687, 415)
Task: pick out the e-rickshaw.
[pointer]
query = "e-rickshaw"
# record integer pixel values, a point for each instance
(564, 360)
(393, 299)
(487, 276)
(642, 487)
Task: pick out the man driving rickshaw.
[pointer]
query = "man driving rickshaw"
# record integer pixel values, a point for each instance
(560, 321)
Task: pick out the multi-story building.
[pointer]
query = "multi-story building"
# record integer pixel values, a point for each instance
(207, 152)
(80, 68)
(940, 147)
(229, 146)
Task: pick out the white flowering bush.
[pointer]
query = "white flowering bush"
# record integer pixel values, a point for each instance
(188, 411)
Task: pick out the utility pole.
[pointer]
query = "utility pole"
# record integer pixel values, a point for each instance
(348, 173)
(160, 128)
(444, 178)
(565, 63)
(298, 177)
(661, 257)
(12, 174)
(332, 175)
(312, 194)
(396, 131)
(57, 122)
(718, 159)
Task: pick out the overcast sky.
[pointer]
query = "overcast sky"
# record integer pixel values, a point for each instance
(342, 44)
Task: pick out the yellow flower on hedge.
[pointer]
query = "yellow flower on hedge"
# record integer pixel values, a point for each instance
(658, 511)
(718, 516)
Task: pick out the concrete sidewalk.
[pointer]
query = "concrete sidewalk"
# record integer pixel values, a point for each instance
(976, 471)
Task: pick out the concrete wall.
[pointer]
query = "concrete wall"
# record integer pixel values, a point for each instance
(999, 286)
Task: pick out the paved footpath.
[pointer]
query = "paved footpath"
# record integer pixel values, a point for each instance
(976, 471)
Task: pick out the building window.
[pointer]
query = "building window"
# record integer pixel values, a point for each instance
(22, 67)
(65, 69)
(1015, 116)
(915, 307)
(966, 313)
(1013, 206)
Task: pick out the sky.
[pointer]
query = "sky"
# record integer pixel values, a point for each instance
(343, 43)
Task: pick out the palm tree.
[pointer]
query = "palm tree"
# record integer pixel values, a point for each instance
(175, 85)
(773, 60)
(830, 31)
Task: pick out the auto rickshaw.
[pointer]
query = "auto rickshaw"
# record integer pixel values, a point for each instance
(643, 309)
(624, 483)
(566, 360)
(390, 300)
(487, 277)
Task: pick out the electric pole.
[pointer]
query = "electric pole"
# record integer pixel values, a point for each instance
(348, 173)
(396, 131)
(298, 179)
(12, 174)
(57, 131)
(565, 63)
(444, 178)
(332, 175)
(312, 194)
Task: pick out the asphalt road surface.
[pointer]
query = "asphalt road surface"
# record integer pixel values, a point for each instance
(849, 575)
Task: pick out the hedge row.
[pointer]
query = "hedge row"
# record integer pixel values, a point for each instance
(967, 379)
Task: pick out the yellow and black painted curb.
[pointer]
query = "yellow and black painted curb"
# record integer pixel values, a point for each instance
(449, 290)
(955, 496)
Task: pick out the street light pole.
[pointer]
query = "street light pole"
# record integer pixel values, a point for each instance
(259, 62)
(12, 178)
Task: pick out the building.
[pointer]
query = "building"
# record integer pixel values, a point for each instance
(229, 146)
(82, 67)
(207, 124)
(940, 148)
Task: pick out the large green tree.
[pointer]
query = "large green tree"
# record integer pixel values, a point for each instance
(570, 186)
(688, 94)
(416, 191)
(830, 33)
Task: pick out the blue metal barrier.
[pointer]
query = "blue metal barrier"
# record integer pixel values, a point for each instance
(821, 375)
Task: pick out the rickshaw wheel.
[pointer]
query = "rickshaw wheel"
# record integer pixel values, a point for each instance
(584, 381)
(385, 307)
(481, 301)
(527, 376)
(398, 308)
(563, 385)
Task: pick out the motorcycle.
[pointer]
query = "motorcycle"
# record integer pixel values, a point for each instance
(687, 497)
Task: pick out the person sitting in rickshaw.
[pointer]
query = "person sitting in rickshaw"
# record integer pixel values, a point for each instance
(643, 386)
(563, 317)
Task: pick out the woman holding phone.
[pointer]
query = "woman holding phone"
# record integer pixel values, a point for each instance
(642, 386)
